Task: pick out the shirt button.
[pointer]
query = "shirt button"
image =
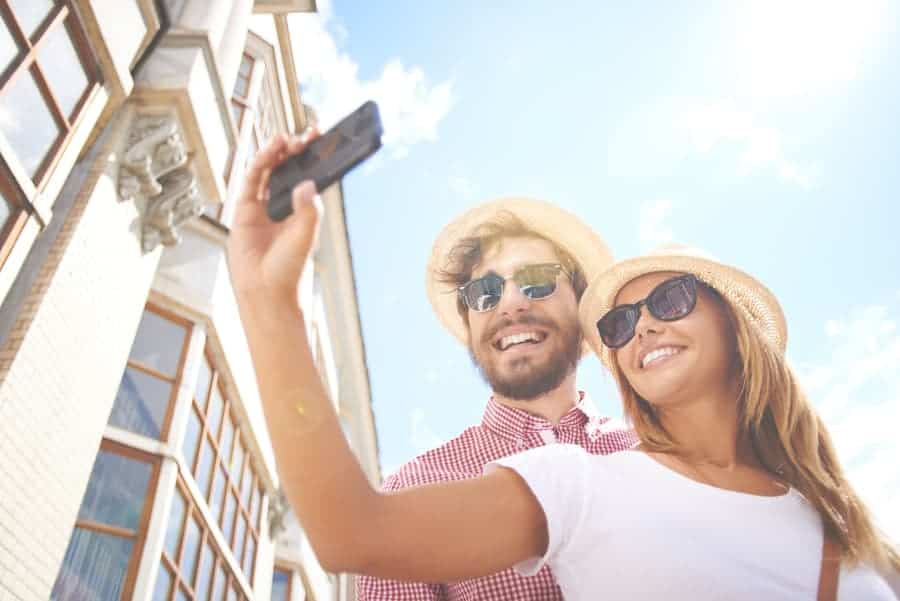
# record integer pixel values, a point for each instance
(520, 444)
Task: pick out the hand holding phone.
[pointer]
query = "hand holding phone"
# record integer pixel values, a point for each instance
(327, 158)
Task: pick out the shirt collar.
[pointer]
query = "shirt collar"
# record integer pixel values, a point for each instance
(512, 422)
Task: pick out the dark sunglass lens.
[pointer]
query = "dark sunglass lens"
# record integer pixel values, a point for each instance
(673, 299)
(484, 293)
(537, 281)
(616, 328)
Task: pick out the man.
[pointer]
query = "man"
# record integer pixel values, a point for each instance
(505, 278)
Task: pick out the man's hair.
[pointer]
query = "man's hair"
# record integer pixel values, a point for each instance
(468, 252)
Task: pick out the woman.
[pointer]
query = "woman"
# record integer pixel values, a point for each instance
(725, 499)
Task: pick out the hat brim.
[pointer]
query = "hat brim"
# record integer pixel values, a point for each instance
(548, 220)
(744, 292)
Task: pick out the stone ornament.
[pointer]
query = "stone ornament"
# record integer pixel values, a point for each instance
(155, 173)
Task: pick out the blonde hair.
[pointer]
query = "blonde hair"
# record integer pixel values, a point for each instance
(788, 437)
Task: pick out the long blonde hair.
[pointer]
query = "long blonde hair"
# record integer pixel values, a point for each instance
(788, 437)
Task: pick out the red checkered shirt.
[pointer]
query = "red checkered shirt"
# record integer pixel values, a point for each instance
(503, 431)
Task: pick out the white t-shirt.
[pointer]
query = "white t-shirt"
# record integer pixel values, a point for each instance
(623, 526)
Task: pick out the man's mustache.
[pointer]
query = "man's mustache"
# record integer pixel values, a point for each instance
(531, 320)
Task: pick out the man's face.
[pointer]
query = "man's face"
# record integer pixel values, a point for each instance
(525, 348)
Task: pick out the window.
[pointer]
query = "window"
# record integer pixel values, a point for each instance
(192, 566)
(149, 383)
(281, 584)
(47, 73)
(217, 453)
(102, 556)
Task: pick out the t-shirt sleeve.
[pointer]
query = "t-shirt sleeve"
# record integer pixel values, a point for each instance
(558, 475)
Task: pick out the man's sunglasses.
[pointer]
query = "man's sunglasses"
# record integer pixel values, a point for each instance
(672, 300)
(534, 281)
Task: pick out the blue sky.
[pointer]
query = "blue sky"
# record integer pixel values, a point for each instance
(766, 133)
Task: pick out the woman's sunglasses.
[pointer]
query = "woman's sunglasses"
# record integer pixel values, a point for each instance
(672, 300)
(534, 281)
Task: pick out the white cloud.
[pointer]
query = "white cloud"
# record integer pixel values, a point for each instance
(460, 184)
(422, 437)
(411, 107)
(653, 229)
(788, 48)
(857, 392)
(709, 123)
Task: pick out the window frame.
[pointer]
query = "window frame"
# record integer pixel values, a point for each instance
(233, 484)
(173, 381)
(206, 539)
(21, 187)
(140, 535)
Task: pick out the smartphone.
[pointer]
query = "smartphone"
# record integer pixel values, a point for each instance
(354, 139)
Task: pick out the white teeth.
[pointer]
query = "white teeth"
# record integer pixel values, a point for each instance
(508, 341)
(658, 354)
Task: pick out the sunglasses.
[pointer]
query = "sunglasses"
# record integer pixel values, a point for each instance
(672, 300)
(534, 281)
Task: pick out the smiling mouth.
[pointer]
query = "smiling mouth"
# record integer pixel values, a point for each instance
(660, 354)
(520, 339)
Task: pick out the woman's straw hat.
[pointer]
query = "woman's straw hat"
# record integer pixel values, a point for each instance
(557, 225)
(744, 292)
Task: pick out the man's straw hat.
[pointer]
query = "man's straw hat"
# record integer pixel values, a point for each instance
(557, 225)
(744, 292)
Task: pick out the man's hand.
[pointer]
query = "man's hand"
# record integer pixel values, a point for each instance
(266, 257)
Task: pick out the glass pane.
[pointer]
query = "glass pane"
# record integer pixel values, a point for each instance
(254, 507)
(239, 537)
(116, 491)
(204, 469)
(192, 438)
(158, 343)
(58, 60)
(163, 584)
(227, 437)
(237, 110)
(8, 47)
(93, 568)
(218, 591)
(204, 575)
(247, 485)
(6, 210)
(237, 461)
(141, 403)
(26, 122)
(191, 546)
(202, 388)
(228, 518)
(215, 500)
(174, 525)
(281, 582)
(249, 557)
(246, 65)
(214, 412)
(30, 13)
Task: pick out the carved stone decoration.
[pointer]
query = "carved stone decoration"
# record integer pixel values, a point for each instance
(155, 148)
(278, 508)
(155, 173)
(164, 213)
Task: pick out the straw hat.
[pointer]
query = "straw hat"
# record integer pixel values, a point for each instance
(557, 225)
(744, 292)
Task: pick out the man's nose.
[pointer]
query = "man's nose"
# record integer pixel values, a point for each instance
(512, 301)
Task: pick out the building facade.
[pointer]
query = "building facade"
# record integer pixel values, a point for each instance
(134, 458)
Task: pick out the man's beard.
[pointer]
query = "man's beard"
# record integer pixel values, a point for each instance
(528, 380)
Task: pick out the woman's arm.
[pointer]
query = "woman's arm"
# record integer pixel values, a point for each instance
(443, 532)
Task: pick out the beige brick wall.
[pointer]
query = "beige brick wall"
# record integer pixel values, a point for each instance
(59, 373)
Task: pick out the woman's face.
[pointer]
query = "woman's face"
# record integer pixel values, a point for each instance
(670, 363)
